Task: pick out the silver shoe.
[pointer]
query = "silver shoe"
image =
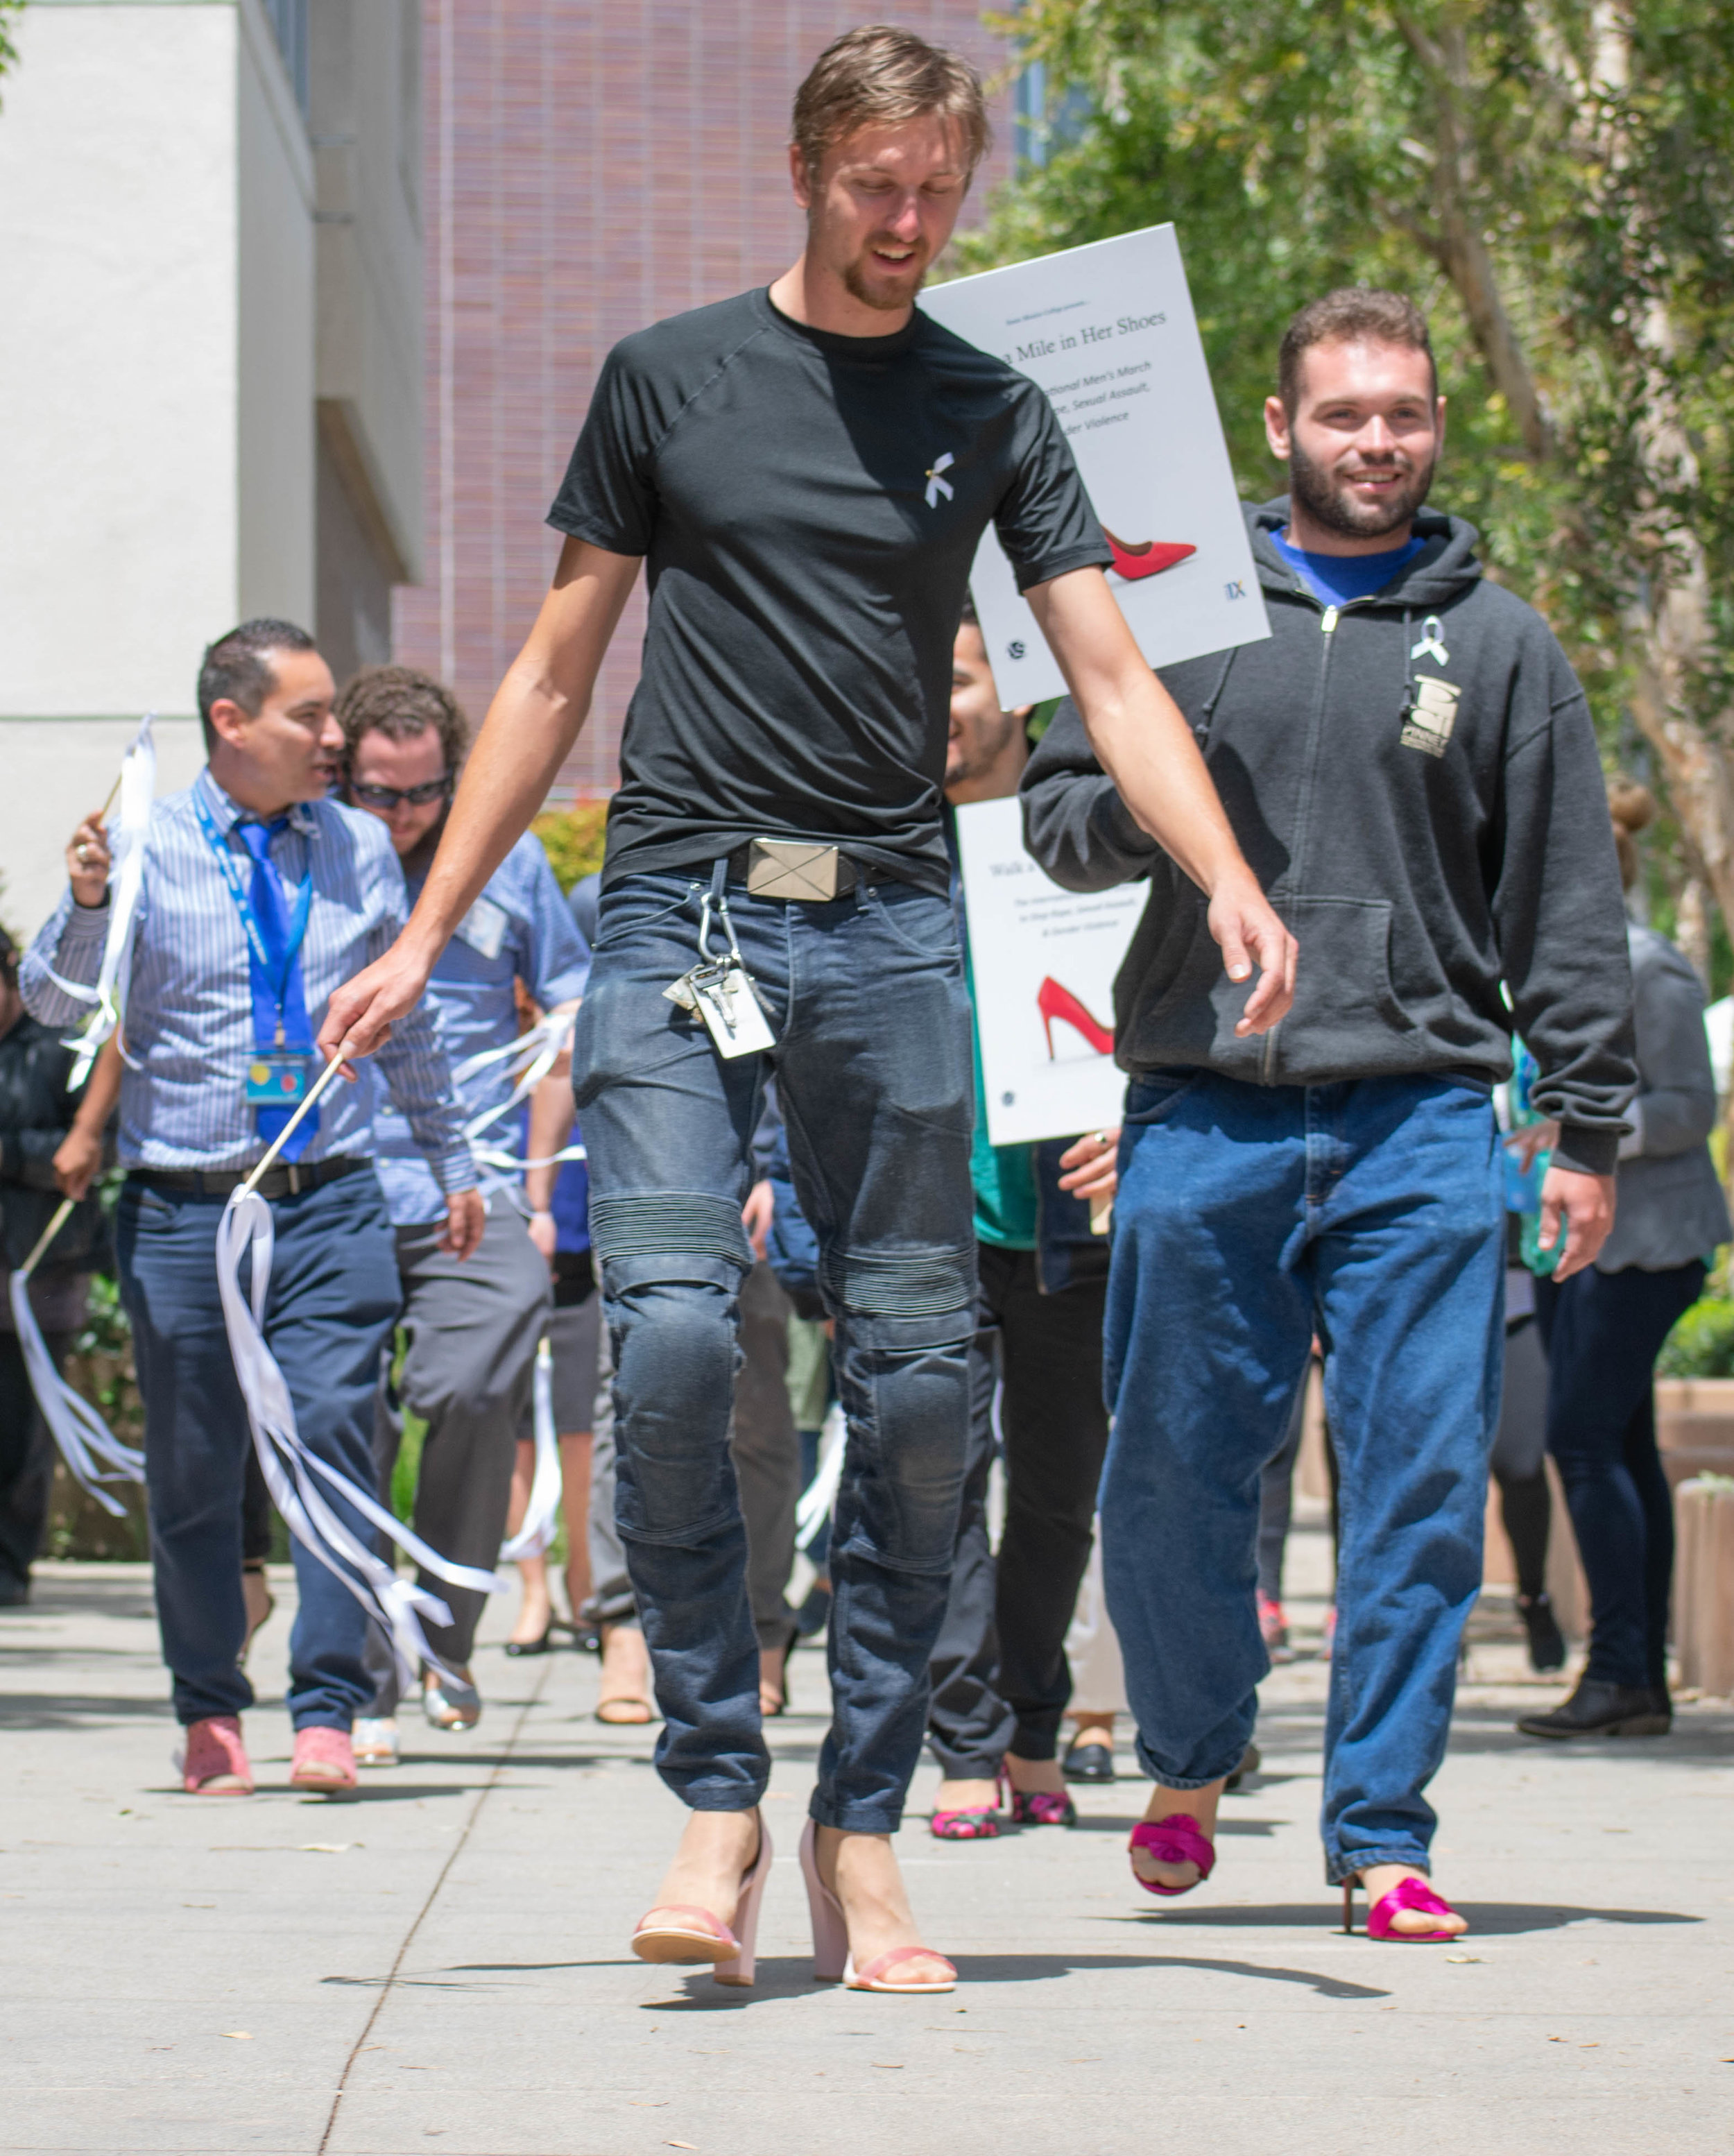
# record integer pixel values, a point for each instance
(451, 1701)
(375, 1740)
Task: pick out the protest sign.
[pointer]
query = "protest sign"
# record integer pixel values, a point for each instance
(1043, 962)
(1108, 331)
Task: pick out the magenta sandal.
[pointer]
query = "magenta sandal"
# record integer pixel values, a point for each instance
(1175, 1840)
(979, 1823)
(1406, 1894)
(1043, 1808)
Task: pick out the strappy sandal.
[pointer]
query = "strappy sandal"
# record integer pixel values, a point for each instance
(833, 1960)
(1175, 1840)
(705, 1937)
(1410, 1893)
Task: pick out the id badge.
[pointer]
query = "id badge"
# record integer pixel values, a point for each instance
(722, 996)
(277, 1078)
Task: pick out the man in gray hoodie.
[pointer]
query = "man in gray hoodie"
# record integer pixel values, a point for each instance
(1409, 765)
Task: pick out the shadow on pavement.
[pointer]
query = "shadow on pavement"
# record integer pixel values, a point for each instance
(1485, 1919)
(791, 1976)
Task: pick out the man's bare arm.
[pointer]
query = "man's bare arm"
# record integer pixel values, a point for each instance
(1146, 748)
(531, 724)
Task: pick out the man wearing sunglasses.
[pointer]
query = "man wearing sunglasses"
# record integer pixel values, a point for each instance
(471, 1329)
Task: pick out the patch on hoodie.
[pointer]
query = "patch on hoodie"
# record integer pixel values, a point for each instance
(1428, 723)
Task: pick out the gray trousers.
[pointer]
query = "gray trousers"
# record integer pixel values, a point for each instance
(766, 1450)
(471, 1328)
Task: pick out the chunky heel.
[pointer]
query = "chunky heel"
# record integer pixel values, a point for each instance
(739, 1970)
(830, 1933)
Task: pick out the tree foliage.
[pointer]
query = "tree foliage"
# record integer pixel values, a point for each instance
(9, 9)
(1554, 180)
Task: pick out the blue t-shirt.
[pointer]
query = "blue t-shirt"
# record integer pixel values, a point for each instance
(1336, 579)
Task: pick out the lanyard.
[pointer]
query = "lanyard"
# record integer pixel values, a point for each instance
(276, 979)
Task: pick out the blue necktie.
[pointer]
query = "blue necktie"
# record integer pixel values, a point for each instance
(278, 997)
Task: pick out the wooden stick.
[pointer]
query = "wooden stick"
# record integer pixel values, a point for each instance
(287, 1131)
(63, 1213)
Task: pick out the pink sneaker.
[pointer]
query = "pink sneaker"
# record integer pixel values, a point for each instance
(214, 1762)
(324, 1761)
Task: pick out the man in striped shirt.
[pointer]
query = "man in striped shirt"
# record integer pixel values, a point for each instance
(259, 897)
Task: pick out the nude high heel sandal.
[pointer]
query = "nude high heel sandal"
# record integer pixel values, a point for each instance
(705, 1937)
(832, 1961)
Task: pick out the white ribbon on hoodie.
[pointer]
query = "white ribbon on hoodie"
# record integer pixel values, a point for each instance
(533, 1537)
(293, 1473)
(814, 1508)
(92, 1452)
(138, 788)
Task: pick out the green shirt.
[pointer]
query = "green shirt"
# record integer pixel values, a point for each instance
(1003, 1176)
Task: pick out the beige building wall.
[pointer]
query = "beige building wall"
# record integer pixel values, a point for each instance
(210, 345)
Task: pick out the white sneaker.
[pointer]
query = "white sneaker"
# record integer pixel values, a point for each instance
(375, 1739)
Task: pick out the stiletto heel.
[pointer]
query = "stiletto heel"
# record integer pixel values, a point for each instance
(1054, 1000)
(1410, 1893)
(741, 1969)
(1146, 557)
(833, 1962)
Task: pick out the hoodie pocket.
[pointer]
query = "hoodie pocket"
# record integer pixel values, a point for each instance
(1346, 1016)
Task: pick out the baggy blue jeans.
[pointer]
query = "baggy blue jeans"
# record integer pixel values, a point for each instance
(865, 996)
(333, 1302)
(1247, 1218)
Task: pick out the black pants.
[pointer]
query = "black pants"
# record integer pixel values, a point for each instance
(1604, 1331)
(26, 1457)
(999, 1670)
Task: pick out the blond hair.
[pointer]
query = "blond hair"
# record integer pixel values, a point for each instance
(878, 76)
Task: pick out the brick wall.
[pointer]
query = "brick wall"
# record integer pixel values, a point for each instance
(589, 169)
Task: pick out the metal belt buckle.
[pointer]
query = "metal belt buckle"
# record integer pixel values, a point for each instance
(789, 868)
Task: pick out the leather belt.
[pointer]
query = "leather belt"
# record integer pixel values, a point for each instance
(288, 1179)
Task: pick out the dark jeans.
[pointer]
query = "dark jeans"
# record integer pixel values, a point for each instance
(1604, 1331)
(26, 1457)
(1249, 1217)
(331, 1310)
(999, 1674)
(866, 999)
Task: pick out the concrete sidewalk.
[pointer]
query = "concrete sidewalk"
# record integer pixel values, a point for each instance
(444, 1961)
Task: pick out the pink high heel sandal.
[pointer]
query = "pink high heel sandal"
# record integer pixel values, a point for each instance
(1406, 1894)
(833, 1962)
(706, 1937)
(1175, 1840)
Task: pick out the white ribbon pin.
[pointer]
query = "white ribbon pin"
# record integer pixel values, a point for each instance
(1432, 644)
(936, 485)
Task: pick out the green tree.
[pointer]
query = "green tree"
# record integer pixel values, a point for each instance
(1554, 180)
(8, 50)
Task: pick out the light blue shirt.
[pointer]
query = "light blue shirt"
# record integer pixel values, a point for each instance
(189, 1010)
(520, 927)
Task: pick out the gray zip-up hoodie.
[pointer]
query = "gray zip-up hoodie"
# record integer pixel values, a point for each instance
(1414, 779)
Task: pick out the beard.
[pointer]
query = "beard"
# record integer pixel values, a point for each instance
(1327, 500)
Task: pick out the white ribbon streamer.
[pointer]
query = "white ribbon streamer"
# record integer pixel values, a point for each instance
(816, 1501)
(536, 1533)
(290, 1468)
(534, 1054)
(87, 1444)
(398, 1605)
(138, 789)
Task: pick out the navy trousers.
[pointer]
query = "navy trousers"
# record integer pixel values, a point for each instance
(333, 1304)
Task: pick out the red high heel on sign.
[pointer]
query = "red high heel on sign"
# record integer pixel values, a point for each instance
(1054, 1001)
(1148, 558)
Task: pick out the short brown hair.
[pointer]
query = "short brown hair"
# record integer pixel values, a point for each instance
(401, 703)
(878, 76)
(1351, 313)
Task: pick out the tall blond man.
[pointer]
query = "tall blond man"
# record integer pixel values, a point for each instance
(807, 470)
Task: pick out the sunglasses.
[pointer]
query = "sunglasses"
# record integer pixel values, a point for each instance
(388, 797)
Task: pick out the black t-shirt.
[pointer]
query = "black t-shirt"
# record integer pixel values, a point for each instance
(810, 506)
